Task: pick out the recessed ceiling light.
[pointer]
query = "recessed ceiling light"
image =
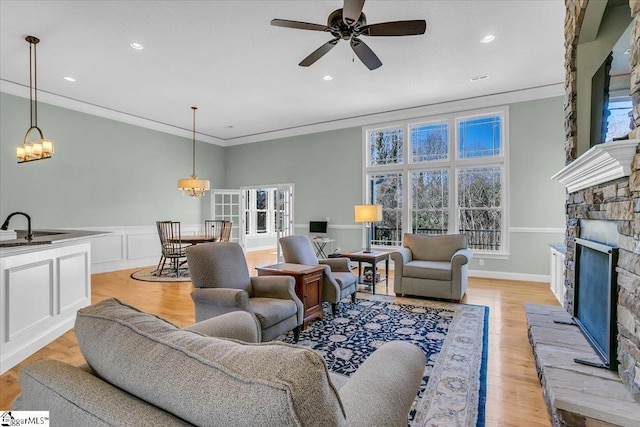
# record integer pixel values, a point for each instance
(627, 52)
(488, 38)
(69, 79)
(327, 78)
(478, 78)
(136, 46)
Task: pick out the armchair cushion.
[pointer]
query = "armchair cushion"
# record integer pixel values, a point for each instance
(434, 248)
(248, 384)
(271, 311)
(436, 270)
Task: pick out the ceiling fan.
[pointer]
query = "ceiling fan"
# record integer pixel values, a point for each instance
(349, 23)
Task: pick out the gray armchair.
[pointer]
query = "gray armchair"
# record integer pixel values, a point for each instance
(220, 275)
(339, 281)
(432, 266)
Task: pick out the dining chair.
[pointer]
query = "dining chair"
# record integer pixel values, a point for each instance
(171, 245)
(218, 229)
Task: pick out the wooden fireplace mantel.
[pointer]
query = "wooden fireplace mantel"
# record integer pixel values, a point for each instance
(601, 163)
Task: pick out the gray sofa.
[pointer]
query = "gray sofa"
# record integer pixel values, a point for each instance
(432, 266)
(145, 371)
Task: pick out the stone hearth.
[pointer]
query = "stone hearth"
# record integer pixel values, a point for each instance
(576, 394)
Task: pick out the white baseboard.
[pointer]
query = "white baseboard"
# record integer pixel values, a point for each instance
(505, 275)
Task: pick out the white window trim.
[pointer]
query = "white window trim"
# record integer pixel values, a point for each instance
(452, 164)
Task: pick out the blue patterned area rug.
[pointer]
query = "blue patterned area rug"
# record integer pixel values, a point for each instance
(452, 336)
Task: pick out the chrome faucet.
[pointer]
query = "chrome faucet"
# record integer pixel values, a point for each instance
(29, 236)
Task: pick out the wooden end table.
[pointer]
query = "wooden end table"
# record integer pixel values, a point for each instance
(309, 280)
(373, 258)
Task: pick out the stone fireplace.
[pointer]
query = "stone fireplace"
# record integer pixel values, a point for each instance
(611, 193)
(603, 184)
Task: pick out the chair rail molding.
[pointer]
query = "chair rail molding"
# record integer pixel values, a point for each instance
(601, 163)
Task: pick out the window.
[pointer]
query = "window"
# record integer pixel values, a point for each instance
(451, 183)
(386, 190)
(619, 119)
(258, 210)
(385, 147)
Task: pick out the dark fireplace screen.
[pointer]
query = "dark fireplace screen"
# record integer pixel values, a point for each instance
(596, 297)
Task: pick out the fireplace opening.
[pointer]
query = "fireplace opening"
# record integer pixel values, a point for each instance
(596, 297)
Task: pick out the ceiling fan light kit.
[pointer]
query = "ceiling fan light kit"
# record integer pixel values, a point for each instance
(349, 23)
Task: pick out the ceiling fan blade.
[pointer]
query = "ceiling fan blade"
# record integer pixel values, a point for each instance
(351, 11)
(319, 52)
(298, 25)
(365, 54)
(395, 28)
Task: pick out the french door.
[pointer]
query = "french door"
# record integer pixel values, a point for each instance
(225, 205)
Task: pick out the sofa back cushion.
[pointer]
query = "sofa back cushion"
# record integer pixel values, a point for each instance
(434, 248)
(206, 380)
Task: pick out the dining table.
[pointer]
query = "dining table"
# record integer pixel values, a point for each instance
(195, 239)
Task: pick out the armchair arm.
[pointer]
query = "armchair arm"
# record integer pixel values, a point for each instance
(337, 264)
(239, 325)
(461, 257)
(390, 378)
(459, 262)
(281, 287)
(400, 257)
(212, 302)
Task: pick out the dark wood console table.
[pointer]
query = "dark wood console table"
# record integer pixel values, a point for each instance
(309, 280)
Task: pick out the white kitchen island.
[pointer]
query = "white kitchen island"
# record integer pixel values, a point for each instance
(43, 284)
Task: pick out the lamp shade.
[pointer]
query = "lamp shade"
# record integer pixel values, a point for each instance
(193, 186)
(368, 213)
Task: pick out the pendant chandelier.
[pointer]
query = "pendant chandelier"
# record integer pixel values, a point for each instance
(193, 186)
(41, 148)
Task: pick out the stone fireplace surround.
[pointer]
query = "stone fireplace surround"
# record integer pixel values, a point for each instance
(615, 198)
(601, 185)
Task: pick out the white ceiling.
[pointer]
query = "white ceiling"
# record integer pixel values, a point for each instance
(242, 73)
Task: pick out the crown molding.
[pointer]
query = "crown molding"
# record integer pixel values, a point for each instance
(107, 113)
(350, 122)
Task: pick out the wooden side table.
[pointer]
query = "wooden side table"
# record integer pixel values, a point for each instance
(372, 258)
(309, 280)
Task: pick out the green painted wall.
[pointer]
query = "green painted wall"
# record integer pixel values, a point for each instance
(103, 173)
(536, 136)
(537, 152)
(326, 169)
(108, 173)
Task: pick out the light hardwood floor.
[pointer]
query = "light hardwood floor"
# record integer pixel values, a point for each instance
(514, 395)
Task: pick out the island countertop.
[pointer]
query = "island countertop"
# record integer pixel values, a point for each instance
(44, 239)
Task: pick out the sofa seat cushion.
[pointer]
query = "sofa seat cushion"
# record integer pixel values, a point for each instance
(271, 310)
(435, 270)
(345, 279)
(204, 380)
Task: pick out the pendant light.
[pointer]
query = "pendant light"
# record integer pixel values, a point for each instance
(193, 186)
(41, 148)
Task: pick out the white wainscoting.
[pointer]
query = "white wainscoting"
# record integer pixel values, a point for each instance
(129, 247)
(40, 292)
(139, 246)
